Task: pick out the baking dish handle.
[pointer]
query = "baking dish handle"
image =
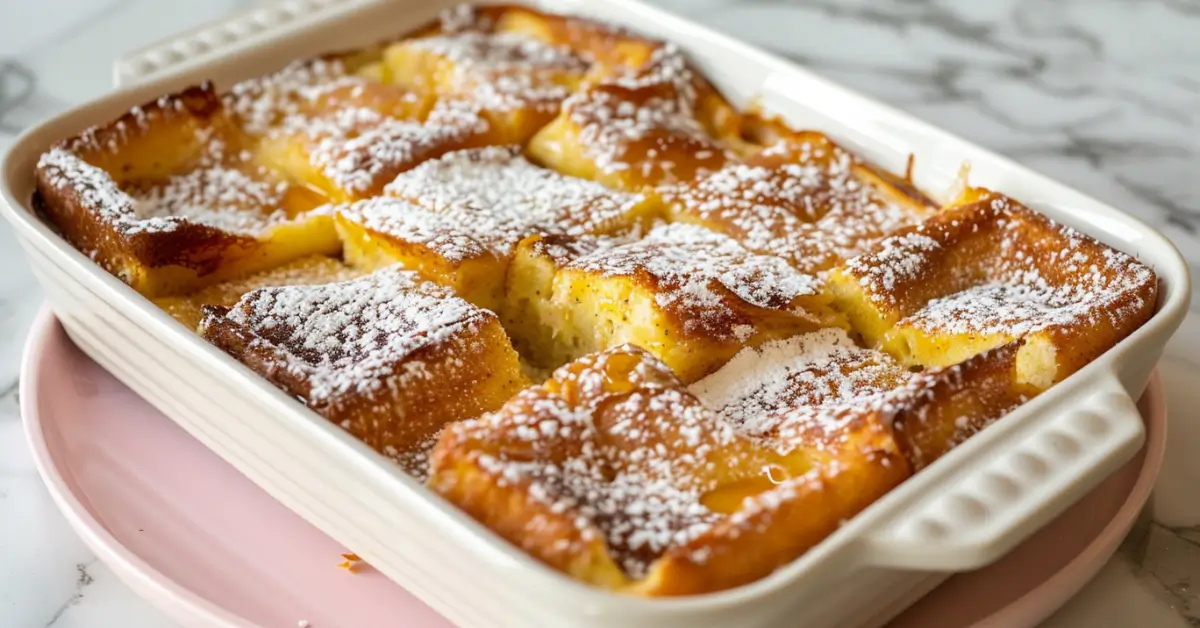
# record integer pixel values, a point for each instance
(982, 510)
(237, 30)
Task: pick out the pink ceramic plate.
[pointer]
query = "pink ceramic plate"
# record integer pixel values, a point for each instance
(187, 531)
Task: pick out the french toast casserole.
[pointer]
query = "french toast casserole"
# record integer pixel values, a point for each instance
(661, 344)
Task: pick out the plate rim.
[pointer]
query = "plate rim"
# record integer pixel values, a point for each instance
(1054, 592)
(163, 592)
(182, 604)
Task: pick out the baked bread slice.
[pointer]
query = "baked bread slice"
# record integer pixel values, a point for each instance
(390, 357)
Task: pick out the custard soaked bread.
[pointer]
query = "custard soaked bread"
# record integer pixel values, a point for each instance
(459, 218)
(640, 485)
(390, 357)
(516, 81)
(804, 198)
(168, 199)
(636, 485)
(609, 48)
(662, 345)
(689, 296)
(657, 124)
(306, 271)
(986, 271)
(346, 136)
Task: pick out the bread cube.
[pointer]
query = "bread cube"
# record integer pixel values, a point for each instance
(517, 82)
(985, 272)
(689, 296)
(166, 199)
(657, 124)
(318, 269)
(457, 219)
(805, 199)
(352, 153)
(615, 474)
(614, 49)
(825, 393)
(388, 356)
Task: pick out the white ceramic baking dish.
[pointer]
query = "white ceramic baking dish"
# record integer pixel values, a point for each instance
(965, 511)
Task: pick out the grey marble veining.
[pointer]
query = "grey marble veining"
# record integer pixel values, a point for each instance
(1101, 94)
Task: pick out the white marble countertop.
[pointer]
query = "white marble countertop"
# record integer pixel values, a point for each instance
(1101, 94)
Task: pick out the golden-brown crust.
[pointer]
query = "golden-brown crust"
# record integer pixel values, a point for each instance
(901, 188)
(987, 271)
(375, 417)
(946, 406)
(656, 124)
(317, 269)
(459, 217)
(432, 358)
(194, 106)
(616, 50)
(192, 246)
(736, 524)
(610, 46)
(516, 83)
(95, 187)
(804, 198)
(734, 557)
(62, 199)
(508, 510)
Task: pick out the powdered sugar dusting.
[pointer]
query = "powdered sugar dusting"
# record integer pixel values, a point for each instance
(484, 201)
(221, 190)
(894, 262)
(638, 463)
(264, 104)
(285, 98)
(97, 192)
(1030, 273)
(355, 146)
(358, 148)
(1023, 306)
(218, 196)
(414, 460)
(353, 336)
(801, 200)
(224, 197)
(697, 271)
(805, 389)
(646, 110)
(503, 71)
(463, 17)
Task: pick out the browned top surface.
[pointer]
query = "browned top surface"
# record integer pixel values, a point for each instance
(648, 123)
(615, 441)
(711, 285)
(994, 266)
(351, 338)
(482, 202)
(804, 199)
